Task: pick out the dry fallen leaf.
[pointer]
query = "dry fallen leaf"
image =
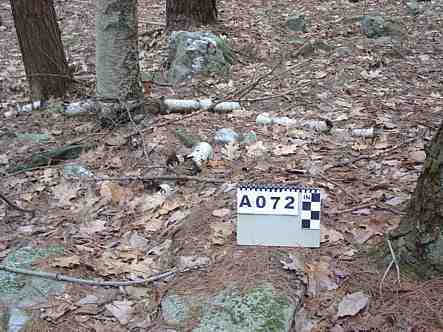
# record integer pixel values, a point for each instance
(161, 248)
(66, 262)
(257, 149)
(352, 304)
(122, 310)
(112, 192)
(221, 232)
(320, 277)
(188, 262)
(64, 192)
(286, 150)
(92, 227)
(231, 151)
(220, 213)
(417, 156)
(330, 235)
(294, 264)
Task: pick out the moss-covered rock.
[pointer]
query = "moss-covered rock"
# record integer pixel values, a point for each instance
(192, 53)
(261, 309)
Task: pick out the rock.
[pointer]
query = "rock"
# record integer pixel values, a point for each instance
(191, 53)
(343, 51)
(33, 137)
(297, 23)
(249, 137)
(303, 323)
(21, 292)
(264, 119)
(226, 135)
(260, 309)
(200, 153)
(77, 171)
(17, 319)
(373, 26)
(176, 309)
(413, 7)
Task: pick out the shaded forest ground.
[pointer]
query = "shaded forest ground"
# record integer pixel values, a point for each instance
(394, 86)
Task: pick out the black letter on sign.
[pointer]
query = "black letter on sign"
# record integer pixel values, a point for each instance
(245, 201)
(260, 201)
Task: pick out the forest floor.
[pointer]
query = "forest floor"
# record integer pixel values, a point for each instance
(120, 229)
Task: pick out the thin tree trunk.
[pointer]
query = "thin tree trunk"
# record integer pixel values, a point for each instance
(41, 46)
(419, 238)
(117, 67)
(180, 14)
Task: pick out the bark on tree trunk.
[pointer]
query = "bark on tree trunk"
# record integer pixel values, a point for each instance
(419, 238)
(119, 86)
(42, 50)
(180, 14)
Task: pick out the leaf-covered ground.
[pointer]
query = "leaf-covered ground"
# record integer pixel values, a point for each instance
(125, 229)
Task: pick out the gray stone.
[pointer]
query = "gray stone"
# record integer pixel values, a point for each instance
(18, 292)
(76, 171)
(264, 119)
(249, 137)
(191, 53)
(343, 51)
(297, 23)
(176, 309)
(373, 26)
(17, 319)
(259, 309)
(413, 7)
(33, 137)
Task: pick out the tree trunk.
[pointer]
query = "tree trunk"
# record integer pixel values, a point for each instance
(41, 46)
(119, 86)
(419, 238)
(181, 14)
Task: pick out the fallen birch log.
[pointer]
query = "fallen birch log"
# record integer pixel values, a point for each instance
(182, 105)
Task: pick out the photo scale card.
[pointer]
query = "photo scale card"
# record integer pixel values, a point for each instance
(278, 215)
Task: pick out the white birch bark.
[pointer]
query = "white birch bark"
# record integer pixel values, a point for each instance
(117, 67)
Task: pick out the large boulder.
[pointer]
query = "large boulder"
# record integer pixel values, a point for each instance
(260, 309)
(191, 53)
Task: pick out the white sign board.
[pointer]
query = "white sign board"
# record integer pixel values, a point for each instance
(278, 215)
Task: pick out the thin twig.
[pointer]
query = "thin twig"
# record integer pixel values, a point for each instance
(61, 277)
(362, 206)
(15, 207)
(374, 155)
(393, 262)
(30, 169)
(339, 186)
(160, 178)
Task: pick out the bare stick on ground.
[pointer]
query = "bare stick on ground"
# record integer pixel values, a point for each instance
(15, 207)
(160, 178)
(393, 262)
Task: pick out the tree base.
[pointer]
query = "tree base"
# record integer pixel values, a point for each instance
(418, 254)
